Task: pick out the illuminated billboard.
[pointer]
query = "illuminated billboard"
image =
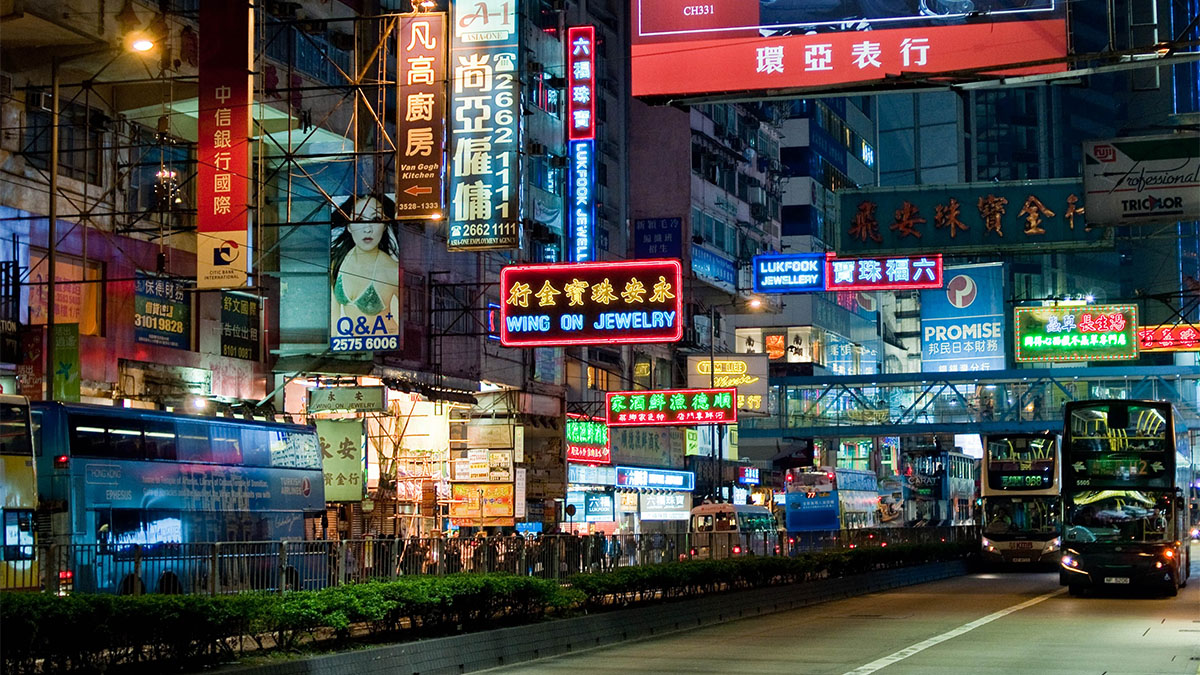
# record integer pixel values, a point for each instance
(587, 440)
(680, 47)
(789, 272)
(883, 273)
(591, 303)
(421, 116)
(745, 372)
(1180, 338)
(649, 408)
(1076, 333)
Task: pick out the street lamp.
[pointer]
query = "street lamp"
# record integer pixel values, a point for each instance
(717, 458)
(52, 207)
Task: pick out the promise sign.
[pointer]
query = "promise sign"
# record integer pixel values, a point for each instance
(591, 303)
(1078, 333)
(671, 406)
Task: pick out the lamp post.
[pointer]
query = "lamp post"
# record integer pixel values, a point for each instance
(717, 458)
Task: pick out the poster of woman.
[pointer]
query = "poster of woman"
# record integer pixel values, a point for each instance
(364, 276)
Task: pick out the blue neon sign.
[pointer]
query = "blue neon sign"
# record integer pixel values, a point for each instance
(789, 273)
(663, 479)
(583, 200)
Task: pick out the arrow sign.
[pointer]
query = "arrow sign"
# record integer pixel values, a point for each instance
(1157, 466)
(1078, 466)
(416, 190)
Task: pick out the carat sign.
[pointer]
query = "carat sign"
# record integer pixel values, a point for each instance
(683, 47)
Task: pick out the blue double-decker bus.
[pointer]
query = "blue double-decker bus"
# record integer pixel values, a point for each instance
(136, 499)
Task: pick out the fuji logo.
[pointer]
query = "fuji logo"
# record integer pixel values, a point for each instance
(961, 291)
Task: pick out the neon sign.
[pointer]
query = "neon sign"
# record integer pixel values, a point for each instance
(671, 406)
(583, 200)
(794, 273)
(1181, 338)
(625, 302)
(581, 86)
(883, 273)
(1077, 333)
(662, 479)
(587, 440)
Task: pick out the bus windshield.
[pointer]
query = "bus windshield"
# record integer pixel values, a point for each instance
(1020, 463)
(14, 429)
(1118, 516)
(1007, 517)
(756, 522)
(1119, 428)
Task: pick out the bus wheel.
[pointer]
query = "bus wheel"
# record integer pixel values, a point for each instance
(131, 585)
(169, 584)
(1075, 589)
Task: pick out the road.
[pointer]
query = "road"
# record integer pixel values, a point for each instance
(982, 623)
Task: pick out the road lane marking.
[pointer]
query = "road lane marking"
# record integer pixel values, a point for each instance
(938, 639)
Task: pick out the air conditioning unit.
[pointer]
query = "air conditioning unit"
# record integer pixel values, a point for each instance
(39, 100)
(538, 149)
(558, 162)
(535, 67)
(758, 211)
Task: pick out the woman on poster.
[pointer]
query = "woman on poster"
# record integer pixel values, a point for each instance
(364, 270)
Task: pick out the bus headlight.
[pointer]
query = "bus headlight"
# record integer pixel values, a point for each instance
(987, 545)
(1052, 545)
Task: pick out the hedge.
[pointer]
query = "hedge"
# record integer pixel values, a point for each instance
(43, 633)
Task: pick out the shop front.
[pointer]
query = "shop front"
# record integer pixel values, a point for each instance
(654, 501)
(591, 505)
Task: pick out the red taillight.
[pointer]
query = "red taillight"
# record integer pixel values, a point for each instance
(853, 545)
(883, 544)
(66, 575)
(62, 462)
(737, 549)
(693, 551)
(791, 540)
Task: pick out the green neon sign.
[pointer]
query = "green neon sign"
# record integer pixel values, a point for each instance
(1076, 333)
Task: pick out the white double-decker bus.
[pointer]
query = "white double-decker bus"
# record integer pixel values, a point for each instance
(1021, 491)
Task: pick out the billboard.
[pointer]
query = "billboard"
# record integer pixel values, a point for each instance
(715, 268)
(240, 335)
(342, 459)
(162, 312)
(662, 479)
(364, 276)
(223, 144)
(670, 406)
(1147, 179)
(1076, 333)
(1179, 338)
(587, 440)
(883, 273)
(789, 272)
(962, 325)
(591, 303)
(421, 116)
(489, 504)
(1011, 216)
(658, 238)
(681, 48)
(745, 372)
(484, 127)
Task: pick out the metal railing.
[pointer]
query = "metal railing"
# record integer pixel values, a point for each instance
(279, 566)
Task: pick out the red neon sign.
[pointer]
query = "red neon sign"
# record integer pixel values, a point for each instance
(652, 408)
(627, 302)
(581, 83)
(883, 273)
(1181, 338)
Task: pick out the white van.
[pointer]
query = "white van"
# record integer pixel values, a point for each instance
(730, 530)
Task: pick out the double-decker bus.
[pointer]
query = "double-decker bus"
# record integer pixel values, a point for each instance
(134, 498)
(1126, 466)
(831, 499)
(18, 496)
(938, 486)
(1020, 490)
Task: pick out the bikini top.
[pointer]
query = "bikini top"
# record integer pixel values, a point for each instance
(368, 302)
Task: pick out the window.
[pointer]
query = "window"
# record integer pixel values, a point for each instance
(18, 535)
(14, 435)
(159, 438)
(226, 444)
(159, 168)
(597, 378)
(414, 300)
(81, 134)
(97, 436)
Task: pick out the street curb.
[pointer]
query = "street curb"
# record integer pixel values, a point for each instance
(472, 652)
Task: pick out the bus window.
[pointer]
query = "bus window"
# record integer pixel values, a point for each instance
(89, 436)
(159, 438)
(18, 535)
(226, 444)
(256, 446)
(14, 438)
(725, 522)
(193, 441)
(702, 523)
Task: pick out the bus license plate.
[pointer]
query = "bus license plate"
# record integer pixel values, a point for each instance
(1116, 580)
(1023, 544)
(1020, 560)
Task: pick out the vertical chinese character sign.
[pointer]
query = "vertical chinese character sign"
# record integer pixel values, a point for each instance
(484, 115)
(421, 116)
(581, 134)
(223, 144)
(161, 312)
(342, 459)
(240, 326)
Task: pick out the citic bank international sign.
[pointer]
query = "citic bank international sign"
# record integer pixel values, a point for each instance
(628, 302)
